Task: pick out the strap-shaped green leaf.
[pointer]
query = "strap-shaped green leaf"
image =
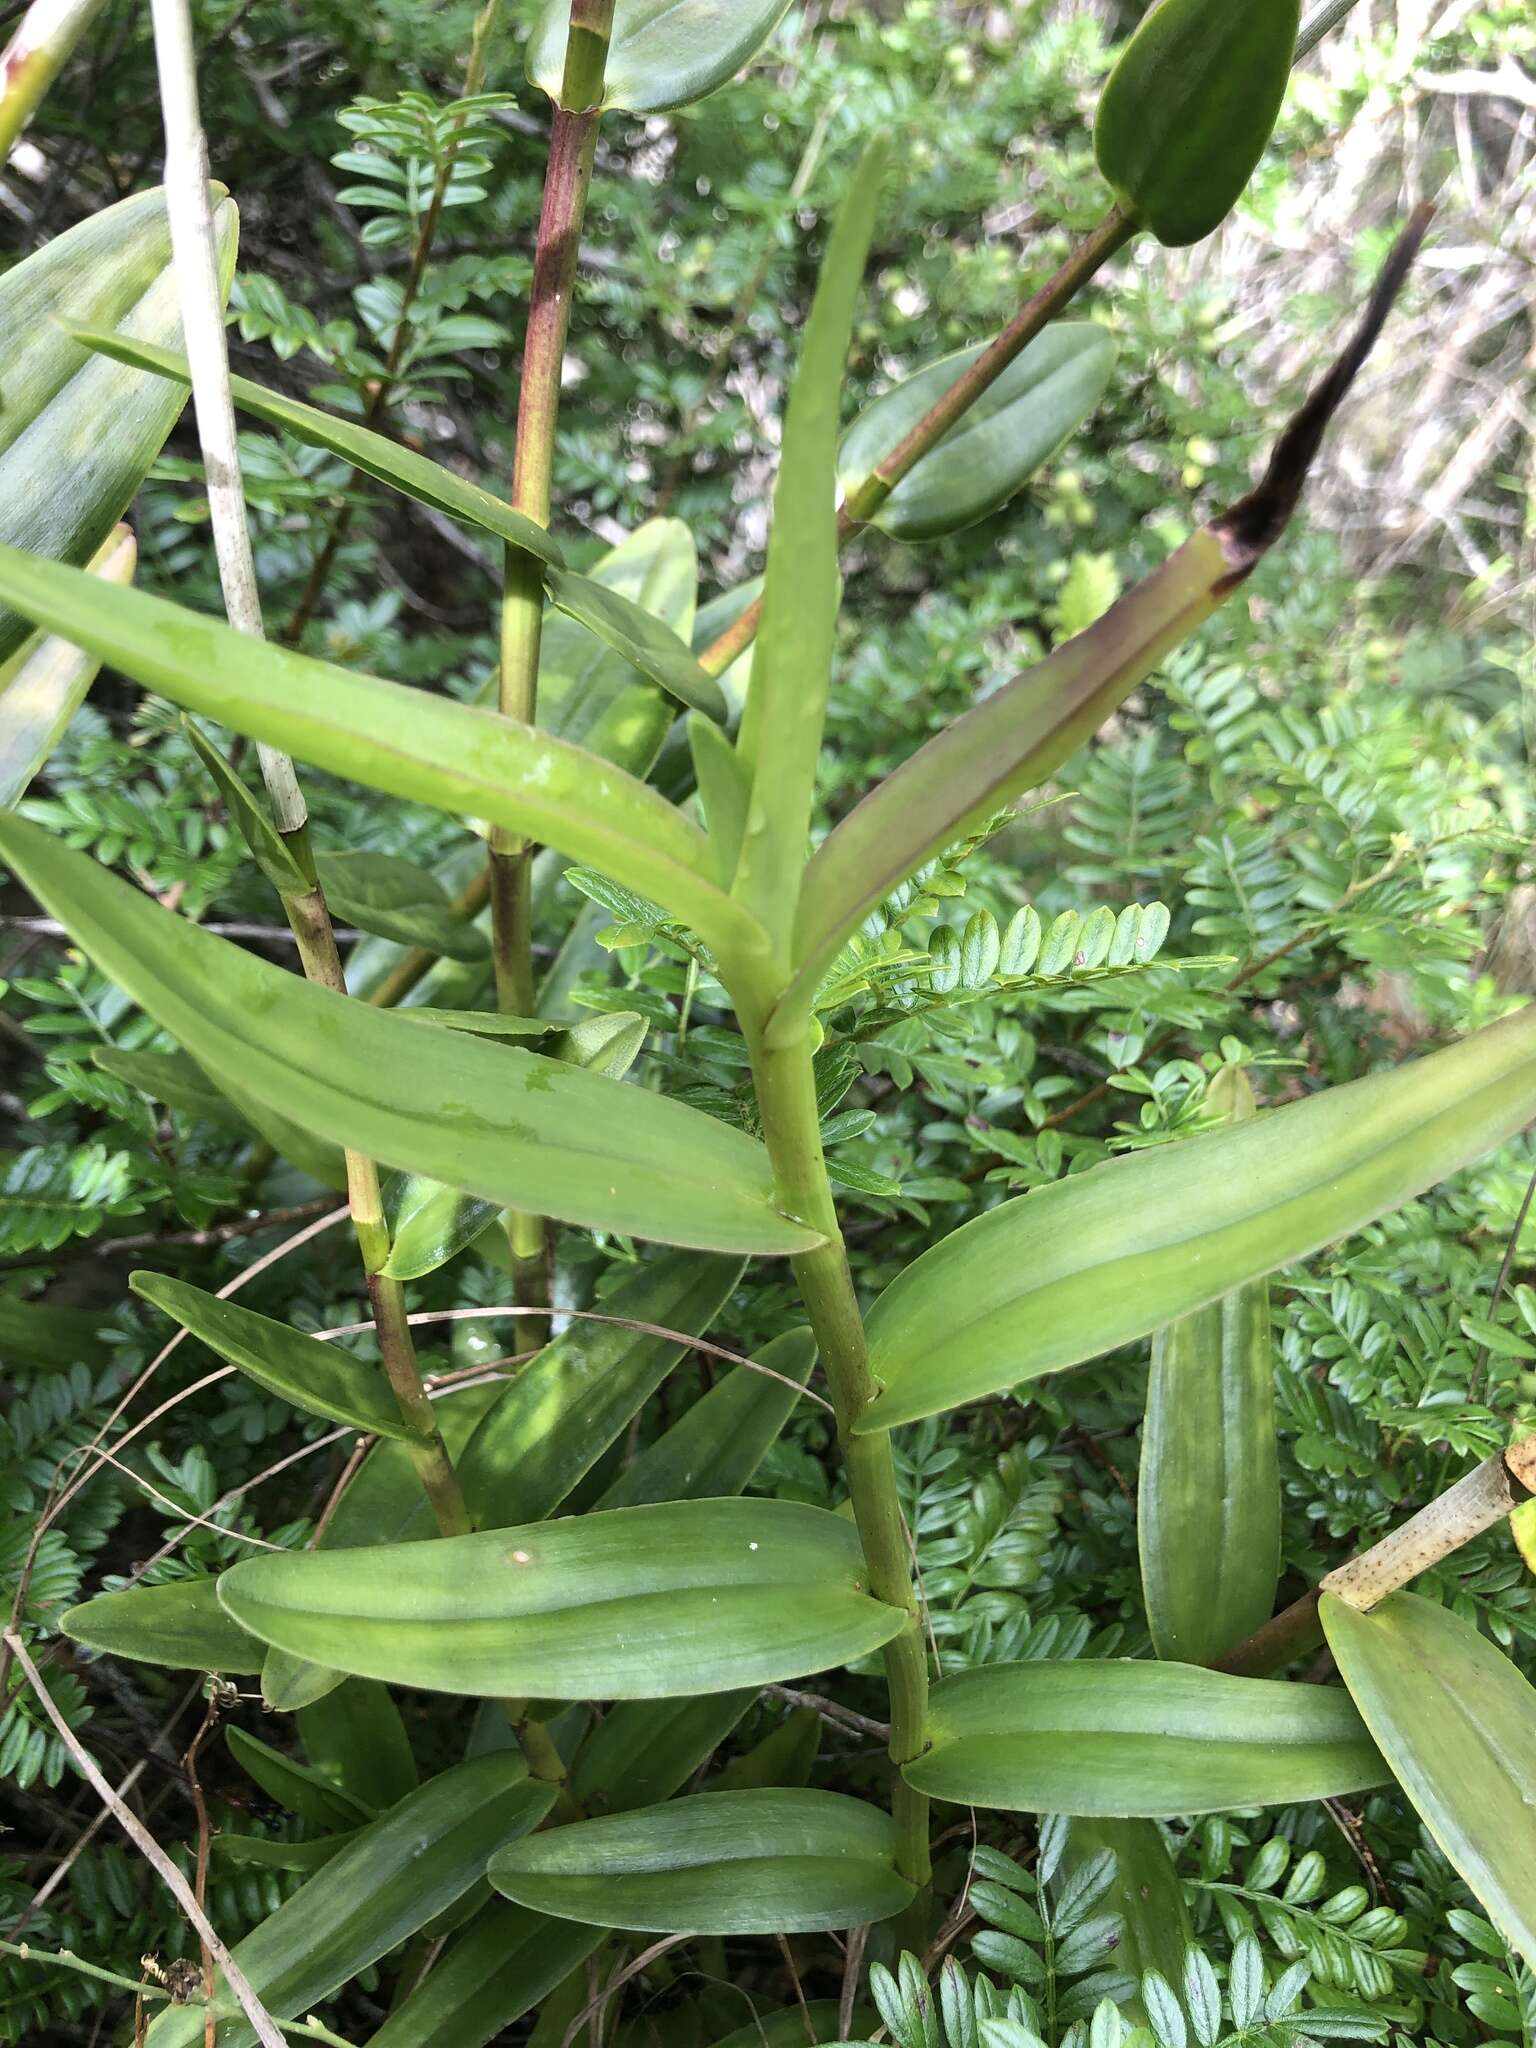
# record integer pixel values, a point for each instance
(792, 667)
(303, 1791)
(643, 1603)
(319, 1379)
(663, 53)
(497, 1121)
(1189, 110)
(1107, 1256)
(386, 461)
(1138, 1741)
(993, 753)
(753, 1862)
(1145, 1895)
(406, 742)
(45, 682)
(717, 1446)
(391, 1879)
(181, 1625)
(555, 1420)
(645, 641)
(1208, 1490)
(1017, 425)
(1456, 1721)
(78, 433)
(180, 1083)
(270, 851)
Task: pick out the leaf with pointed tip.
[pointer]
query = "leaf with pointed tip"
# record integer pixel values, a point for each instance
(752, 1862)
(180, 1624)
(663, 53)
(781, 727)
(718, 1445)
(319, 1379)
(267, 847)
(1012, 430)
(1097, 1260)
(393, 1878)
(429, 1224)
(504, 1124)
(386, 461)
(641, 1603)
(555, 1420)
(1456, 1720)
(261, 1852)
(77, 433)
(407, 742)
(45, 682)
(293, 1785)
(1129, 1741)
(395, 899)
(644, 640)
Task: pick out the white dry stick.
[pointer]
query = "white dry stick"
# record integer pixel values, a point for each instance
(1480, 1501)
(194, 245)
(267, 2030)
(32, 59)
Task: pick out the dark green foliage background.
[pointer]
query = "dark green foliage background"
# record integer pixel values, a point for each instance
(1328, 793)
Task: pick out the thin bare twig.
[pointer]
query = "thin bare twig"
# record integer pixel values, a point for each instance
(617, 1982)
(266, 2028)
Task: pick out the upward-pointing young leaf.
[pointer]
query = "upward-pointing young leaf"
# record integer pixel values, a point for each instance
(1018, 735)
(642, 1603)
(792, 667)
(492, 1119)
(644, 640)
(663, 53)
(317, 1378)
(388, 462)
(1457, 1722)
(400, 740)
(1109, 1255)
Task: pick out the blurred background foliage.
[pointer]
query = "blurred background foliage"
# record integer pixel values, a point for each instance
(1329, 792)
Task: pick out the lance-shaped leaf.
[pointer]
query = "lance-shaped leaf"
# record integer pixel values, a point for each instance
(1138, 1741)
(386, 461)
(644, 640)
(406, 742)
(556, 1419)
(643, 1603)
(497, 1121)
(792, 667)
(753, 1862)
(37, 1333)
(1208, 1493)
(1015, 738)
(717, 1446)
(181, 1625)
(1016, 426)
(1106, 1256)
(663, 53)
(276, 859)
(263, 1852)
(293, 1785)
(1457, 1722)
(45, 682)
(77, 432)
(1189, 109)
(397, 900)
(320, 1379)
(390, 1880)
(180, 1083)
